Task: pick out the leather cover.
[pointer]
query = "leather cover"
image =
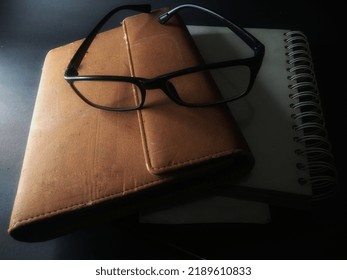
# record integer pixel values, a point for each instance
(84, 165)
(175, 136)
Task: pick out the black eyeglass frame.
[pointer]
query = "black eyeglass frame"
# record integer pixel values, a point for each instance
(162, 81)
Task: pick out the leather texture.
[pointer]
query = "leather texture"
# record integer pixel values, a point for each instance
(84, 165)
(174, 136)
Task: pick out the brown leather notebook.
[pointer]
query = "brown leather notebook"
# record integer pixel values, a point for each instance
(84, 165)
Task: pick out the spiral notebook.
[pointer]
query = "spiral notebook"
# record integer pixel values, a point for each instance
(281, 119)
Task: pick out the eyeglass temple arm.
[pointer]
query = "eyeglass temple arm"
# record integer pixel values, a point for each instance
(77, 58)
(248, 38)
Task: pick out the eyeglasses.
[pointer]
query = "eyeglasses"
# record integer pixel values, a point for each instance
(117, 88)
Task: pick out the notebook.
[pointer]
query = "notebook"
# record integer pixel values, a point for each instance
(83, 165)
(282, 120)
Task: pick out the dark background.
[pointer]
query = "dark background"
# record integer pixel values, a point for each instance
(29, 29)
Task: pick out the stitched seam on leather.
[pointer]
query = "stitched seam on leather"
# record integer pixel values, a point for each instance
(100, 199)
(130, 59)
(95, 200)
(215, 155)
(139, 112)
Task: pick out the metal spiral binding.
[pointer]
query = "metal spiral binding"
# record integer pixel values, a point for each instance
(309, 129)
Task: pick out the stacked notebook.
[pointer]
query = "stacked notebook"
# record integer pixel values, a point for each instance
(284, 126)
(83, 165)
(282, 117)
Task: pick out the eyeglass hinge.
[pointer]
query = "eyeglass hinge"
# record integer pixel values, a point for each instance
(71, 71)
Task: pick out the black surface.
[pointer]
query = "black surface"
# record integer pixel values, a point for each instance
(28, 29)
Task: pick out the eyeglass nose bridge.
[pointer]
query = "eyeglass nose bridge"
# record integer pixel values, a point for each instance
(166, 86)
(152, 83)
